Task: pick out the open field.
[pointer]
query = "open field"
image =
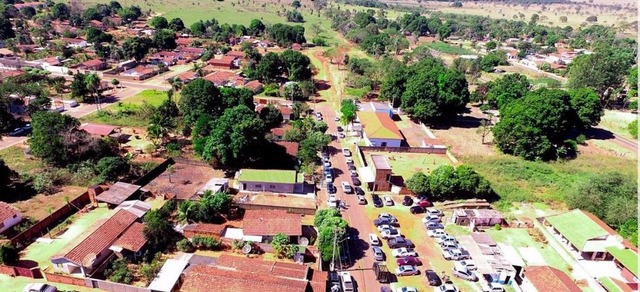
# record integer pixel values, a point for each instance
(15, 158)
(78, 230)
(517, 180)
(617, 122)
(130, 113)
(449, 49)
(406, 164)
(38, 206)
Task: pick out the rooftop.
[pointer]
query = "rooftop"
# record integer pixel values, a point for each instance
(546, 278)
(118, 193)
(133, 239)
(271, 268)
(98, 130)
(137, 207)
(7, 211)
(290, 147)
(215, 229)
(183, 183)
(279, 200)
(577, 227)
(612, 284)
(168, 276)
(268, 176)
(628, 258)
(380, 162)
(271, 222)
(379, 126)
(202, 278)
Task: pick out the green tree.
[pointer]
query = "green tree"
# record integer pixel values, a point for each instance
(629, 230)
(136, 47)
(119, 272)
(8, 255)
(492, 59)
(198, 98)
(601, 70)
(159, 22)
(112, 167)
(271, 116)
(270, 67)
(294, 92)
(60, 11)
(280, 243)
(47, 140)
(507, 89)
(633, 129)
(443, 182)
(256, 27)
(176, 24)
(587, 106)
(491, 45)
(348, 110)
(158, 230)
(165, 39)
(297, 66)
(419, 184)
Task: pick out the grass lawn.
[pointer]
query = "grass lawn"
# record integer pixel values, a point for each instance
(15, 158)
(149, 96)
(406, 164)
(517, 180)
(8, 283)
(615, 148)
(617, 122)
(130, 113)
(546, 82)
(356, 92)
(449, 49)
(520, 238)
(42, 252)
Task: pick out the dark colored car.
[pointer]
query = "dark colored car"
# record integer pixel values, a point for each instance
(17, 132)
(340, 129)
(377, 202)
(331, 188)
(416, 210)
(351, 167)
(407, 201)
(433, 278)
(411, 261)
(359, 191)
(383, 221)
(398, 242)
(424, 203)
(355, 180)
(27, 128)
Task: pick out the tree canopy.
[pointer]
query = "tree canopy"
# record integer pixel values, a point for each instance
(449, 183)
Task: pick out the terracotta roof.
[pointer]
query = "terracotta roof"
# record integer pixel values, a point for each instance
(192, 50)
(98, 130)
(224, 61)
(5, 51)
(202, 278)
(101, 238)
(546, 278)
(253, 85)
(271, 222)
(206, 228)
(118, 193)
(187, 75)
(184, 41)
(7, 211)
(291, 147)
(133, 239)
(93, 63)
(72, 40)
(379, 126)
(258, 266)
(239, 54)
(53, 61)
(279, 131)
(221, 77)
(380, 162)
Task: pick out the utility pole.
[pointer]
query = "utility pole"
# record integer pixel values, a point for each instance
(333, 254)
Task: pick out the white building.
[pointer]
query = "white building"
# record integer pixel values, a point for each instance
(9, 216)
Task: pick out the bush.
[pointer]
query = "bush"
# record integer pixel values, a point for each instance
(43, 183)
(185, 245)
(497, 227)
(581, 139)
(119, 272)
(592, 18)
(320, 41)
(8, 255)
(205, 242)
(633, 129)
(272, 89)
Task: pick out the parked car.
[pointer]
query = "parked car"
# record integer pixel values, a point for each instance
(424, 203)
(399, 241)
(328, 177)
(446, 288)
(359, 191)
(353, 172)
(383, 221)
(373, 239)
(355, 181)
(491, 287)
(341, 135)
(377, 202)
(460, 271)
(39, 287)
(346, 188)
(403, 252)
(416, 210)
(378, 254)
(407, 201)
(436, 233)
(434, 211)
(407, 271)
(336, 119)
(446, 238)
(449, 244)
(433, 278)
(455, 254)
(361, 200)
(384, 227)
(346, 152)
(327, 164)
(390, 233)
(431, 218)
(332, 201)
(387, 201)
(17, 132)
(407, 289)
(340, 129)
(349, 160)
(469, 264)
(433, 225)
(413, 261)
(388, 217)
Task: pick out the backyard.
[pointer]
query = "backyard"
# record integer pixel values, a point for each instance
(406, 164)
(134, 112)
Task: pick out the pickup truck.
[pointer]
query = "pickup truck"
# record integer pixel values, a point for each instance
(455, 254)
(399, 241)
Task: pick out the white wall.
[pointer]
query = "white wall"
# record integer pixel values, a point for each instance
(390, 142)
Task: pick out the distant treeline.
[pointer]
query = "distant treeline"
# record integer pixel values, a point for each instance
(365, 3)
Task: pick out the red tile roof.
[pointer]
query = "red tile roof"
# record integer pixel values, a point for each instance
(184, 41)
(226, 61)
(7, 211)
(101, 238)
(253, 85)
(291, 147)
(98, 130)
(206, 228)
(258, 266)
(271, 222)
(280, 130)
(203, 278)
(546, 278)
(239, 54)
(192, 50)
(93, 63)
(221, 77)
(133, 239)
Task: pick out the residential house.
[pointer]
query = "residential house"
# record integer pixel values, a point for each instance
(99, 130)
(279, 132)
(546, 278)
(380, 130)
(286, 111)
(137, 207)
(131, 243)
(142, 72)
(237, 54)
(380, 178)
(6, 53)
(512, 54)
(75, 43)
(267, 223)
(118, 193)
(34, 4)
(477, 217)
(92, 251)
(435, 144)
(51, 61)
(255, 86)
(97, 24)
(223, 78)
(184, 42)
(94, 65)
(626, 259)
(126, 65)
(381, 107)
(215, 185)
(584, 235)
(204, 229)
(170, 277)
(9, 216)
(226, 62)
(270, 180)
(290, 147)
(190, 54)
(165, 57)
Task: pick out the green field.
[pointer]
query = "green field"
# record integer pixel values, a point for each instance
(133, 112)
(449, 49)
(406, 164)
(617, 122)
(517, 180)
(15, 158)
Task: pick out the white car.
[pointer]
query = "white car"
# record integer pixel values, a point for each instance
(436, 233)
(431, 218)
(491, 287)
(446, 288)
(39, 287)
(470, 264)
(433, 211)
(329, 178)
(407, 270)
(388, 216)
(387, 201)
(349, 160)
(390, 233)
(373, 239)
(407, 289)
(446, 239)
(337, 119)
(327, 163)
(384, 227)
(346, 188)
(346, 152)
(332, 201)
(403, 252)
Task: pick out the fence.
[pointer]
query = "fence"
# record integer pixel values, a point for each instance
(155, 172)
(21, 240)
(93, 283)
(429, 150)
(295, 210)
(34, 272)
(64, 279)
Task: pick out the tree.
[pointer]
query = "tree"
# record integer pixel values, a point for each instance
(46, 139)
(165, 39)
(348, 110)
(235, 137)
(492, 59)
(92, 81)
(136, 47)
(600, 71)
(159, 22)
(484, 129)
(294, 92)
(294, 16)
(586, 104)
(629, 230)
(256, 27)
(119, 272)
(592, 18)
(6, 29)
(112, 167)
(443, 182)
(8, 255)
(115, 82)
(200, 97)
(331, 229)
(633, 129)
(158, 230)
(270, 67)
(419, 183)
(280, 243)
(271, 116)
(507, 89)
(60, 11)
(491, 45)
(563, 19)
(296, 4)
(176, 24)
(331, 53)
(198, 28)
(297, 66)
(393, 85)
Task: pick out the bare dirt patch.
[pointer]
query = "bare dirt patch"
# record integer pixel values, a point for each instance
(38, 206)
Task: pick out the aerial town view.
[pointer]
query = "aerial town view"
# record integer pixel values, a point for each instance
(319, 146)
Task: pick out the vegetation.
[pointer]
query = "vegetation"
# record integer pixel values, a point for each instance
(449, 183)
(8, 255)
(158, 230)
(119, 272)
(633, 129)
(331, 229)
(282, 246)
(208, 209)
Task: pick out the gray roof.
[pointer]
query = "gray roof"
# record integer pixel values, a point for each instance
(118, 193)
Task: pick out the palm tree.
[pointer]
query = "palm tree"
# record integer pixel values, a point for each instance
(185, 211)
(93, 84)
(177, 84)
(197, 67)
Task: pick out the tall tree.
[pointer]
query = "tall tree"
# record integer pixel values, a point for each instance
(200, 97)
(602, 71)
(507, 89)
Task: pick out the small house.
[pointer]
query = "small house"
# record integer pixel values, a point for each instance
(381, 170)
(118, 193)
(131, 243)
(9, 216)
(381, 107)
(546, 278)
(98, 130)
(94, 65)
(215, 185)
(204, 229)
(477, 217)
(270, 180)
(255, 86)
(380, 130)
(75, 43)
(267, 223)
(226, 62)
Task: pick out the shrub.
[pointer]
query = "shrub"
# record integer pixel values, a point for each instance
(633, 129)
(272, 89)
(43, 183)
(119, 272)
(320, 41)
(581, 139)
(205, 242)
(185, 245)
(8, 254)
(497, 227)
